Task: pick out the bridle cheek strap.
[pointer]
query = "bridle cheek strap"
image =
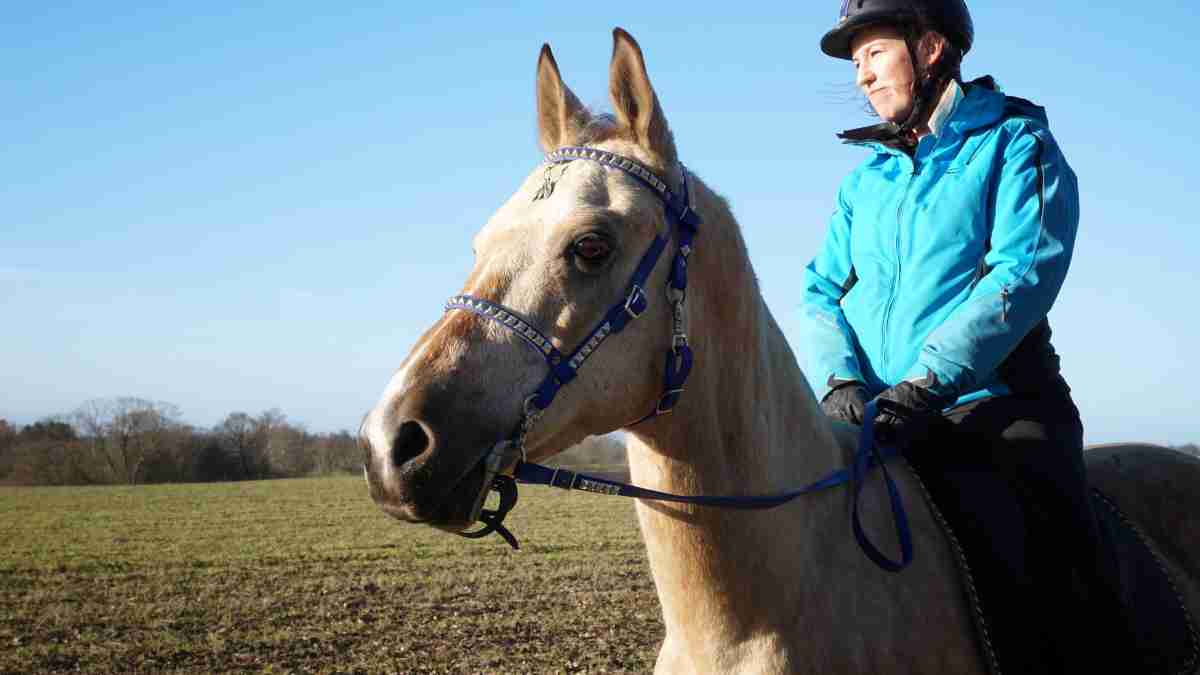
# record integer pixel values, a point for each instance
(684, 222)
(679, 354)
(564, 368)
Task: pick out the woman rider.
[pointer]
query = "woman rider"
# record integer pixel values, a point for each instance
(945, 251)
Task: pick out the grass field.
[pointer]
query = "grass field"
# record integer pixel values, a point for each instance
(308, 576)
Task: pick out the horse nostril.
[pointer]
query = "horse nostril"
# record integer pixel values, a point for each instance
(411, 440)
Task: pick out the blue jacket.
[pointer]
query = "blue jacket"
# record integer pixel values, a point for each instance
(944, 262)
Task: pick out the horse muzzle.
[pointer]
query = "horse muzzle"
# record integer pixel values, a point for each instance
(412, 480)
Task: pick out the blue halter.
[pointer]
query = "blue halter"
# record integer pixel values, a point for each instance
(563, 368)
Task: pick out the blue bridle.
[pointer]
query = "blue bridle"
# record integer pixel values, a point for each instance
(683, 222)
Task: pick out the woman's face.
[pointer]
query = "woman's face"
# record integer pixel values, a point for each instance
(884, 71)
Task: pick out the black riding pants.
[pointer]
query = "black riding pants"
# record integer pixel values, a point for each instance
(1036, 557)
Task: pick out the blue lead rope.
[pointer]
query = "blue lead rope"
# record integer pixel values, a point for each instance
(868, 456)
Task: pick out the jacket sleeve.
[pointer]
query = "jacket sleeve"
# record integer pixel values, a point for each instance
(824, 332)
(1035, 218)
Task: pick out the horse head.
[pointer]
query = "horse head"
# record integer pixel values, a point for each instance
(555, 257)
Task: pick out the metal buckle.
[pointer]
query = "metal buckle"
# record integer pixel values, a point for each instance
(531, 406)
(532, 414)
(554, 480)
(499, 459)
(659, 410)
(678, 331)
(635, 293)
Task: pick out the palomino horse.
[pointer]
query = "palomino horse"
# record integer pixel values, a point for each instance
(781, 590)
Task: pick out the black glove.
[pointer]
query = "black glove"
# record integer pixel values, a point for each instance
(846, 402)
(906, 413)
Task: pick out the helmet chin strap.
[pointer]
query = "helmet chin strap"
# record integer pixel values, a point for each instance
(923, 88)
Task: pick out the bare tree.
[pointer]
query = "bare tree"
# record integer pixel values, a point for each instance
(242, 437)
(336, 453)
(121, 435)
(288, 448)
(175, 458)
(91, 419)
(8, 439)
(141, 431)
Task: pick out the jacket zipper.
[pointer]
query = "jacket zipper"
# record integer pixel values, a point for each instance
(887, 314)
(1004, 304)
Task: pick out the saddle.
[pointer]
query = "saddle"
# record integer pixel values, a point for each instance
(1142, 626)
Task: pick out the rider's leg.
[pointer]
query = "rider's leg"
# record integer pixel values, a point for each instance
(1035, 443)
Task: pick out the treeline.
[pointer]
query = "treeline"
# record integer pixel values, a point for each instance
(132, 440)
(1190, 448)
(601, 452)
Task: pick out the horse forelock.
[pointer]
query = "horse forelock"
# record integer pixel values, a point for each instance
(600, 127)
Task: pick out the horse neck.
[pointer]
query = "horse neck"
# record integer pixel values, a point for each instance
(747, 424)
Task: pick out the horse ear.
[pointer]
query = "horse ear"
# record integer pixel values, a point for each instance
(560, 114)
(634, 100)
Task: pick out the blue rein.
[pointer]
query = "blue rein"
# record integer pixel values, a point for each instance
(868, 456)
(563, 368)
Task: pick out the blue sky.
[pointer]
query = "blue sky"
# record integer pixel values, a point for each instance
(234, 207)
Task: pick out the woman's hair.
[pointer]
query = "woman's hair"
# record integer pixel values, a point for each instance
(949, 67)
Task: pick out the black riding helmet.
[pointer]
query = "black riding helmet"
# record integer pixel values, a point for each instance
(948, 17)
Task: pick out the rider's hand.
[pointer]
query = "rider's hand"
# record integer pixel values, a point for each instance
(846, 402)
(906, 413)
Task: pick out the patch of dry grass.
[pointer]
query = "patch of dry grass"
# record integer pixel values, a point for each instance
(308, 576)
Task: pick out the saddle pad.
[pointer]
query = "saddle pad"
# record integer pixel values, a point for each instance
(1163, 634)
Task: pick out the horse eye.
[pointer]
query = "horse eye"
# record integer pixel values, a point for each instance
(592, 248)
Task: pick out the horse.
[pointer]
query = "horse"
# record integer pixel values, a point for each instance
(783, 590)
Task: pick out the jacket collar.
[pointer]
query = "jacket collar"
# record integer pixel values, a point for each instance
(982, 105)
(960, 110)
(951, 97)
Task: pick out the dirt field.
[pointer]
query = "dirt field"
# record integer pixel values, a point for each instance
(307, 576)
